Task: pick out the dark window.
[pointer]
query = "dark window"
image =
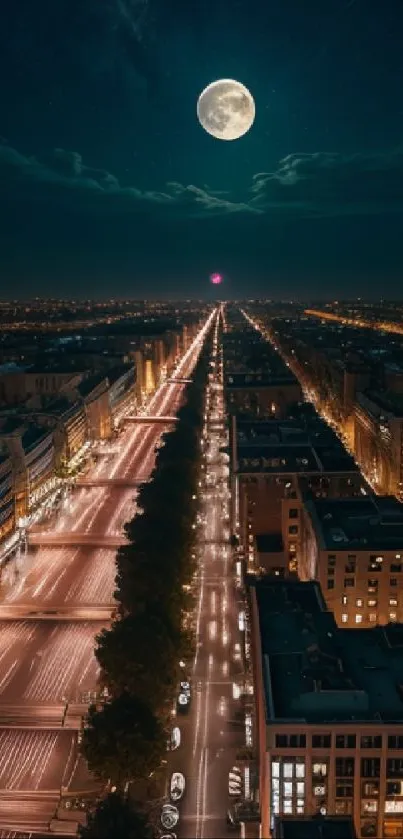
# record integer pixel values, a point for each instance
(370, 767)
(344, 790)
(371, 742)
(297, 741)
(345, 741)
(395, 741)
(349, 582)
(293, 513)
(293, 529)
(330, 583)
(393, 581)
(394, 767)
(344, 767)
(281, 741)
(321, 741)
(396, 567)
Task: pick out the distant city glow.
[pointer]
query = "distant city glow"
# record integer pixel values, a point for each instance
(216, 279)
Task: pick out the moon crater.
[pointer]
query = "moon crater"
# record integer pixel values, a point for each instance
(226, 109)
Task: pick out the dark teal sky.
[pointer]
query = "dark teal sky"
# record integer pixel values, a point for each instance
(137, 196)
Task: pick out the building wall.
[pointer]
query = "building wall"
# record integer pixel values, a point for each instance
(349, 768)
(99, 419)
(362, 588)
(7, 498)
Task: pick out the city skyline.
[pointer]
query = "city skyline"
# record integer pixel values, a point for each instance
(108, 181)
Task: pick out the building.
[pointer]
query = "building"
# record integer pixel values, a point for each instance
(329, 712)
(354, 547)
(261, 394)
(378, 439)
(67, 417)
(7, 497)
(94, 391)
(31, 448)
(314, 827)
(268, 460)
(16, 386)
(122, 392)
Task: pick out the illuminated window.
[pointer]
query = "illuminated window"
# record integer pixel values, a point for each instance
(275, 769)
(392, 616)
(392, 601)
(344, 618)
(300, 770)
(319, 790)
(358, 618)
(300, 788)
(319, 769)
(344, 600)
(358, 602)
(372, 602)
(287, 789)
(287, 807)
(372, 617)
(288, 770)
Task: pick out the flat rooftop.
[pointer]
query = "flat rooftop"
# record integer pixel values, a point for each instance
(314, 827)
(315, 672)
(268, 543)
(370, 523)
(290, 446)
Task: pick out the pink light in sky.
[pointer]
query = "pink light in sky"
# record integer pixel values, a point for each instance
(216, 279)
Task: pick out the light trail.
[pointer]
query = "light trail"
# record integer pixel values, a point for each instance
(41, 663)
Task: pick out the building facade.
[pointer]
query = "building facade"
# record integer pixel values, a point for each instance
(354, 547)
(329, 712)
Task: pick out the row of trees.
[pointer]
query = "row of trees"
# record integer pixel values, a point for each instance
(125, 738)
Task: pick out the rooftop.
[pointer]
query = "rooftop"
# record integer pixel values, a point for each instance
(268, 543)
(290, 446)
(364, 523)
(315, 672)
(30, 433)
(314, 827)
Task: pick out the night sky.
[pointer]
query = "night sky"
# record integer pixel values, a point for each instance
(109, 185)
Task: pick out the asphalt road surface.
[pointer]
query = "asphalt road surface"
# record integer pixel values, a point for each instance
(211, 733)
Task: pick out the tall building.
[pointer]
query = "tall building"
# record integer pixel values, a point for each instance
(329, 712)
(354, 547)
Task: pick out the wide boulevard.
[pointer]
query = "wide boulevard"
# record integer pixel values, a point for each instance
(54, 600)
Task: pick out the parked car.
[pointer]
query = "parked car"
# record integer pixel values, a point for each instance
(177, 786)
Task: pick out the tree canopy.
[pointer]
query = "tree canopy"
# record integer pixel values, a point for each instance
(116, 818)
(123, 740)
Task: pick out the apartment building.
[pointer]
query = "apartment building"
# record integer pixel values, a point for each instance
(268, 459)
(314, 827)
(378, 439)
(329, 712)
(7, 500)
(354, 547)
(31, 449)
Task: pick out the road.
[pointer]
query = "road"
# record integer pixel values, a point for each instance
(211, 732)
(44, 661)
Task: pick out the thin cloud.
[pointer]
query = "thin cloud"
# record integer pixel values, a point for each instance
(63, 176)
(330, 184)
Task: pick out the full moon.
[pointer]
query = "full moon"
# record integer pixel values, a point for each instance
(226, 109)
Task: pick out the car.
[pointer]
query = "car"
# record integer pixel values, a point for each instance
(183, 703)
(175, 739)
(169, 816)
(177, 786)
(185, 687)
